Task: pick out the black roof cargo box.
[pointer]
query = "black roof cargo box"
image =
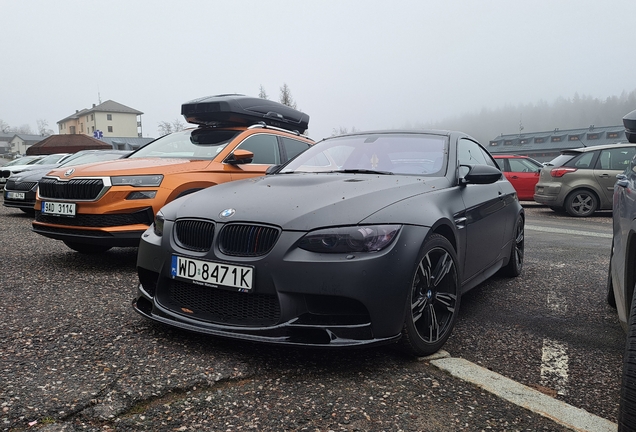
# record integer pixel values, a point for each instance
(629, 121)
(240, 110)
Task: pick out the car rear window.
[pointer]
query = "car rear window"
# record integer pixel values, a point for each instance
(561, 160)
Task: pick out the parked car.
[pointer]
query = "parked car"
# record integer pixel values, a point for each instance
(44, 161)
(363, 239)
(96, 207)
(16, 164)
(522, 172)
(621, 281)
(581, 181)
(19, 191)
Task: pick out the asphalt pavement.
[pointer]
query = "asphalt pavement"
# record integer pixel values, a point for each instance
(75, 357)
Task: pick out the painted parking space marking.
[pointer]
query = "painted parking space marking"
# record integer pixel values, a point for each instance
(567, 231)
(524, 396)
(554, 366)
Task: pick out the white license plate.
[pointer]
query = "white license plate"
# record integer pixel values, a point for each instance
(15, 195)
(212, 274)
(58, 209)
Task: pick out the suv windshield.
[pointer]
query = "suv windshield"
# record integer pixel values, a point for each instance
(189, 144)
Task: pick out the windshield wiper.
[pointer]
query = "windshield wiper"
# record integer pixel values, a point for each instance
(362, 171)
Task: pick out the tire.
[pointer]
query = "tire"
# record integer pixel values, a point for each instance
(581, 203)
(627, 407)
(87, 248)
(515, 262)
(433, 300)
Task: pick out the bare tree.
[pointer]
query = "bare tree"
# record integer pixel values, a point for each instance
(342, 131)
(43, 127)
(166, 127)
(177, 125)
(24, 129)
(4, 126)
(262, 93)
(286, 97)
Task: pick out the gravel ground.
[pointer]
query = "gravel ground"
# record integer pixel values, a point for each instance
(75, 357)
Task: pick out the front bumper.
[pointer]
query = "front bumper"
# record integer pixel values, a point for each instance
(300, 298)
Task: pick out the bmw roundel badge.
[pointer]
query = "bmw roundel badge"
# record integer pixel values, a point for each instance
(69, 171)
(227, 213)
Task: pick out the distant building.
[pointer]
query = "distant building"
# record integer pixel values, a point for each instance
(545, 146)
(108, 119)
(19, 144)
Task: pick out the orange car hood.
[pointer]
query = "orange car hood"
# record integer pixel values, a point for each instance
(133, 166)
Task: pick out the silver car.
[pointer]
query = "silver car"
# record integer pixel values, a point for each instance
(581, 181)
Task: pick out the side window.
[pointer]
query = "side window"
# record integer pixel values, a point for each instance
(583, 161)
(293, 147)
(617, 159)
(471, 153)
(501, 164)
(264, 147)
(522, 165)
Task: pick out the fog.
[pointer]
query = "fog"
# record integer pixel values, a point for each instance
(364, 64)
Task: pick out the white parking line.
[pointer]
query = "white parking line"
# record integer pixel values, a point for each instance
(554, 366)
(567, 231)
(524, 396)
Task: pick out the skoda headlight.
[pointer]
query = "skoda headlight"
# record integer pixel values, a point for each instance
(363, 238)
(137, 180)
(158, 226)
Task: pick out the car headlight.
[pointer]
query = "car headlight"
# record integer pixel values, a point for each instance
(158, 225)
(137, 181)
(363, 238)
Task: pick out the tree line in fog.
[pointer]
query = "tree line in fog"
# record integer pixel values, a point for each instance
(575, 113)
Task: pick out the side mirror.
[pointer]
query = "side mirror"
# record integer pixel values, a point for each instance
(239, 157)
(629, 121)
(481, 174)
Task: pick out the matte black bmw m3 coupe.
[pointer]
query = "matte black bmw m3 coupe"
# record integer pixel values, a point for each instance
(368, 238)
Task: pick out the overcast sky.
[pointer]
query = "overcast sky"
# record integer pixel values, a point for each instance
(368, 64)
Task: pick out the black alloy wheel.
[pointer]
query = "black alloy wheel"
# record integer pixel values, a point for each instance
(515, 262)
(87, 248)
(627, 407)
(433, 300)
(581, 203)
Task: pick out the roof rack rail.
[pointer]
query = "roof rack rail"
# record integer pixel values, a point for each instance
(264, 125)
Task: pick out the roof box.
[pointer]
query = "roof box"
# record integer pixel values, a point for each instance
(240, 110)
(629, 121)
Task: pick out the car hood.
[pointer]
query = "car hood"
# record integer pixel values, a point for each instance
(303, 201)
(142, 166)
(30, 175)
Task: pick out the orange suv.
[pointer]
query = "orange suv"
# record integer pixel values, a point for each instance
(94, 207)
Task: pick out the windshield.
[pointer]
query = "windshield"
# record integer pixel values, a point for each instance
(385, 153)
(27, 160)
(50, 159)
(189, 144)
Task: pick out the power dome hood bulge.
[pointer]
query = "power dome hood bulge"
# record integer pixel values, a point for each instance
(302, 201)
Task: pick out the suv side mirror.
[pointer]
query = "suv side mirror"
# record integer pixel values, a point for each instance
(239, 157)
